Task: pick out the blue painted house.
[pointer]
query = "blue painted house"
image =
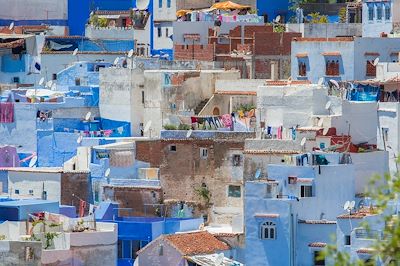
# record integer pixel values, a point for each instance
(136, 232)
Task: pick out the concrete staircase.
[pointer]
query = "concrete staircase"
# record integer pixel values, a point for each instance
(200, 106)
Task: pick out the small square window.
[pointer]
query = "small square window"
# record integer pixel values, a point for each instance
(203, 153)
(16, 191)
(172, 147)
(159, 32)
(347, 240)
(166, 32)
(236, 160)
(306, 191)
(31, 192)
(234, 191)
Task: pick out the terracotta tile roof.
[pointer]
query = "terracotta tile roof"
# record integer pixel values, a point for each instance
(365, 251)
(317, 245)
(371, 54)
(316, 222)
(333, 53)
(12, 44)
(336, 39)
(271, 152)
(361, 213)
(196, 243)
(66, 37)
(304, 129)
(24, 29)
(286, 82)
(253, 93)
(300, 55)
(226, 234)
(266, 215)
(112, 12)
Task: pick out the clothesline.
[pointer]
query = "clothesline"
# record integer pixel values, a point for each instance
(97, 133)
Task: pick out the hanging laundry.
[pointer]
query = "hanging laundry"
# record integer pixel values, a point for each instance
(226, 120)
(82, 206)
(6, 112)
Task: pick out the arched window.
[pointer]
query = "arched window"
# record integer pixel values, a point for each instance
(268, 230)
(216, 111)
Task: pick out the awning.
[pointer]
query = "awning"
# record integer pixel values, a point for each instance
(228, 5)
(301, 55)
(109, 16)
(334, 53)
(12, 44)
(182, 12)
(42, 93)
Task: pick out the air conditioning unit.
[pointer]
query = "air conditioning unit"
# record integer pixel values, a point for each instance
(292, 180)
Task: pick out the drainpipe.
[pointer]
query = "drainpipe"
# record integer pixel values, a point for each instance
(291, 262)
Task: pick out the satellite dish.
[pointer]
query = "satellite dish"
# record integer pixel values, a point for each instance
(75, 52)
(53, 86)
(219, 259)
(320, 81)
(189, 133)
(303, 142)
(41, 81)
(257, 174)
(91, 13)
(33, 161)
(11, 27)
(325, 131)
(130, 53)
(346, 206)
(278, 19)
(376, 61)
(107, 172)
(88, 115)
(49, 84)
(116, 61)
(79, 140)
(352, 204)
(328, 105)
(289, 79)
(147, 127)
(142, 4)
(321, 122)
(334, 82)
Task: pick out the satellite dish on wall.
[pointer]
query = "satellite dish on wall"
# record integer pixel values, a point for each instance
(130, 53)
(107, 172)
(328, 105)
(334, 83)
(147, 127)
(325, 131)
(11, 27)
(75, 52)
(321, 122)
(346, 206)
(53, 87)
(79, 140)
(257, 174)
(116, 61)
(142, 4)
(189, 133)
(352, 204)
(33, 161)
(303, 142)
(49, 84)
(88, 115)
(320, 81)
(278, 19)
(219, 260)
(41, 81)
(376, 61)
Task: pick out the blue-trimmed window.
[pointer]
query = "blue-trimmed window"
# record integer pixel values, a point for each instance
(268, 231)
(169, 3)
(160, 3)
(379, 11)
(370, 12)
(388, 11)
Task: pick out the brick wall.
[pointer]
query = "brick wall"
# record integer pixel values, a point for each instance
(76, 183)
(199, 52)
(149, 151)
(135, 198)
